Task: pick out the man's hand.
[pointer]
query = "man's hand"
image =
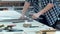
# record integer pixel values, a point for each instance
(35, 16)
(22, 17)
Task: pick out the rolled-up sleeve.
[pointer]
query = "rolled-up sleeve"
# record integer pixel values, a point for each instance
(52, 1)
(28, 1)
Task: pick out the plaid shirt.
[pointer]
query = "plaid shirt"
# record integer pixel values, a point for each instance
(52, 14)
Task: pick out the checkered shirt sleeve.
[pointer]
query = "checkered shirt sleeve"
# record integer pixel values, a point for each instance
(52, 14)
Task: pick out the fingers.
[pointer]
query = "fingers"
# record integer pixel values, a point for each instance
(34, 17)
(22, 17)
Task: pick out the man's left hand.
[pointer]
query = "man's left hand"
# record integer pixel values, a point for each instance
(35, 16)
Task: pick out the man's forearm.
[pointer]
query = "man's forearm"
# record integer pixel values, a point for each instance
(48, 7)
(26, 6)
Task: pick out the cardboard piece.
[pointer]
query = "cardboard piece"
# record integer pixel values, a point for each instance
(46, 32)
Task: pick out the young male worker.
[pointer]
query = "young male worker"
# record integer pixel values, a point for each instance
(49, 10)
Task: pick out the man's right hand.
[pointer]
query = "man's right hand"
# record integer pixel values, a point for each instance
(25, 8)
(22, 17)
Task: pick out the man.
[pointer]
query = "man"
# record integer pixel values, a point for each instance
(48, 10)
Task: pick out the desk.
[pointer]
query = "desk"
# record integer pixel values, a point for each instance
(19, 26)
(9, 15)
